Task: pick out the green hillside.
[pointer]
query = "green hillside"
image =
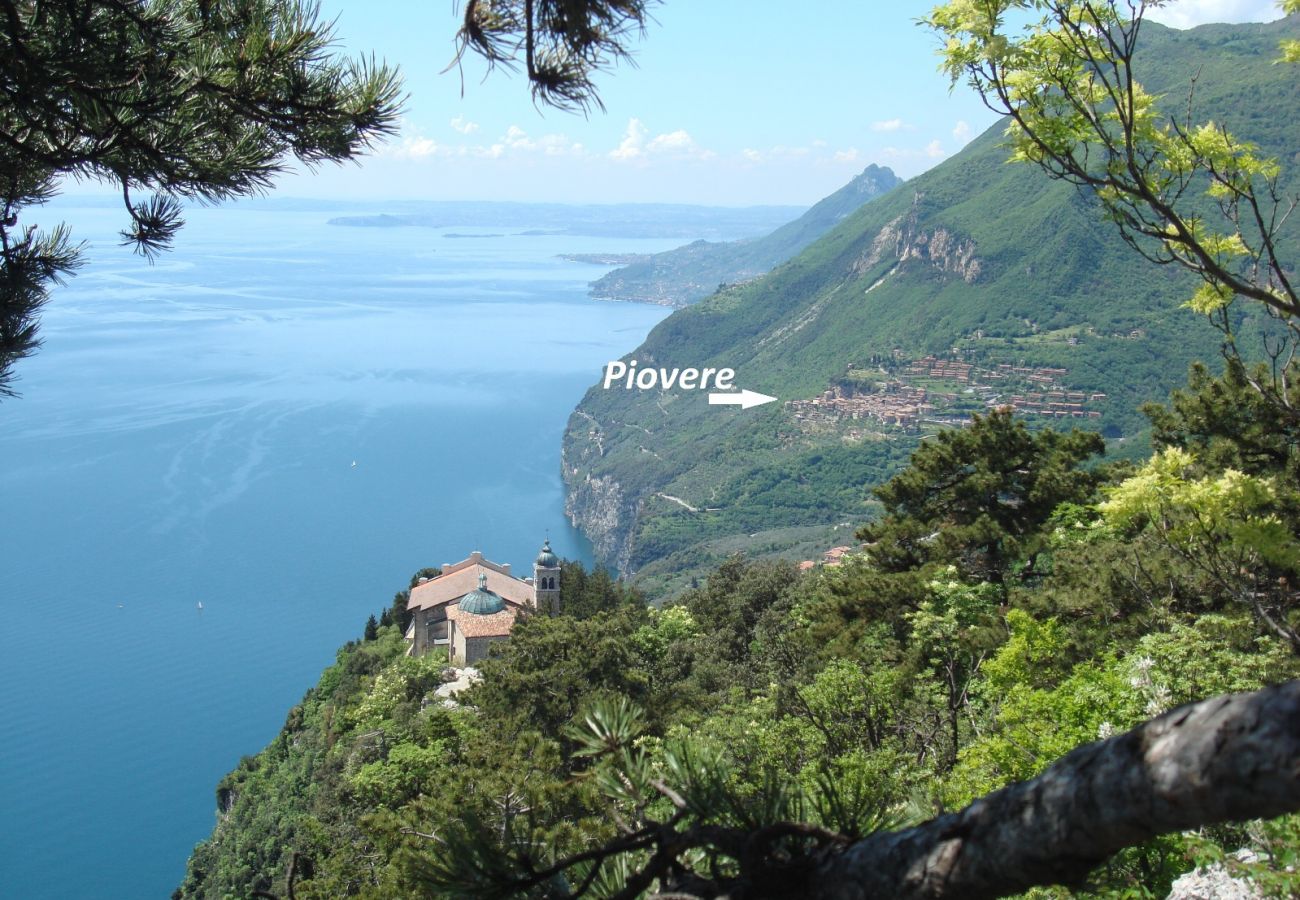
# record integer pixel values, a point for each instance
(976, 284)
(681, 276)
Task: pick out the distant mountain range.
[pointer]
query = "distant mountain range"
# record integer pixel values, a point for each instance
(682, 276)
(975, 284)
(637, 220)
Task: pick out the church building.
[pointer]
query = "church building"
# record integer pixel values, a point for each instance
(475, 602)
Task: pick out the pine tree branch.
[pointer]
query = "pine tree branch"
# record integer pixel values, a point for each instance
(1230, 758)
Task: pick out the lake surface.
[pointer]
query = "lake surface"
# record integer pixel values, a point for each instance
(188, 435)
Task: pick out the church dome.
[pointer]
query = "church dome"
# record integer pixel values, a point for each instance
(482, 602)
(546, 559)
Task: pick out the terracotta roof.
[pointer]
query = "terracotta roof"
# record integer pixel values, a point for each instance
(472, 625)
(463, 578)
(806, 565)
(475, 557)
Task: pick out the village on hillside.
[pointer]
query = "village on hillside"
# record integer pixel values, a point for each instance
(941, 392)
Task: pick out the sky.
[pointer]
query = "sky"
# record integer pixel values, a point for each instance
(731, 102)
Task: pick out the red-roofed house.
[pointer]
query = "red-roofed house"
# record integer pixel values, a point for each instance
(835, 555)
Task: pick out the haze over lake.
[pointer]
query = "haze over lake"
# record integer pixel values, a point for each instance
(280, 420)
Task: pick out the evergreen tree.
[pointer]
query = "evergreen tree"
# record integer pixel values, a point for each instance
(372, 629)
(978, 497)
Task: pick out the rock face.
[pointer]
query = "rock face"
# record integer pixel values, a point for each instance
(1212, 883)
(598, 505)
(902, 239)
(460, 680)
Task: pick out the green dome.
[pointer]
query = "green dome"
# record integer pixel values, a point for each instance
(546, 559)
(482, 602)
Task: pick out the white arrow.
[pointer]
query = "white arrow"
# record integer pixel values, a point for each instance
(745, 399)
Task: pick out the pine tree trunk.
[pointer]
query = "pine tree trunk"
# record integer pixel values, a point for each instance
(1230, 758)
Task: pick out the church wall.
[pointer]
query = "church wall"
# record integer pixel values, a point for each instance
(420, 630)
(458, 646)
(477, 648)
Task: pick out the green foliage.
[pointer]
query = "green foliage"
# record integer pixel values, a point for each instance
(400, 777)
(562, 45)
(584, 594)
(764, 720)
(537, 680)
(1234, 530)
(1229, 514)
(1079, 113)
(1232, 421)
(979, 497)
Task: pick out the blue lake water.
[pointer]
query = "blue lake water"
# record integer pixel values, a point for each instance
(187, 434)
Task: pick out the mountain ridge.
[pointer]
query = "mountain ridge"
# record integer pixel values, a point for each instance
(945, 269)
(685, 275)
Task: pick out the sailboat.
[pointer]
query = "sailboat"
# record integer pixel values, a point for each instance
(200, 606)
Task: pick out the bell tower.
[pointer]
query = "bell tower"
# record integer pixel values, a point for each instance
(546, 580)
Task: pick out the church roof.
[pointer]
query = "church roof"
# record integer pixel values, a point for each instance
(459, 579)
(473, 625)
(546, 559)
(481, 601)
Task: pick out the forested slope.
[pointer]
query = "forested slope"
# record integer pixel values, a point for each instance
(977, 262)
(769, 725)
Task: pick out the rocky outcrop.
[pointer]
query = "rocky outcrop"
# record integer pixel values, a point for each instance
(1213, 883)
(903, 239)
(607, 516)
(597, 504)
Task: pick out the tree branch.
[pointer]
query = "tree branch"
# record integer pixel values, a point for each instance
(1231, 758)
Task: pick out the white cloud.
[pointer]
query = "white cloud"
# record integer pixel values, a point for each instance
(850, 155)
(463, 125)
(675, 144)
(632, 145)
(961, 131)
(888, 125)
(416, 147)
(558, 145)
(1189, 13)
(751, 154)
(678, 144)
(517, 139)
(517, 142)
(912, 155)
